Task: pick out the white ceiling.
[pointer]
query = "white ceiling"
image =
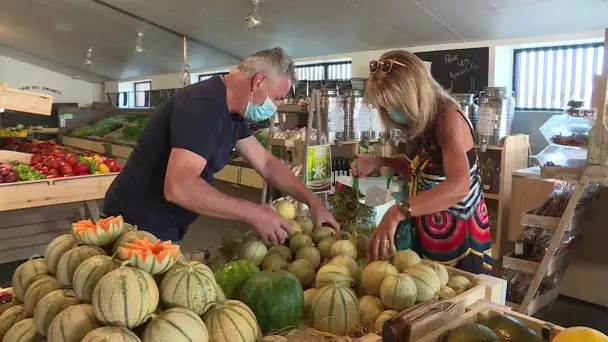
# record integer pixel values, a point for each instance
(56, 34)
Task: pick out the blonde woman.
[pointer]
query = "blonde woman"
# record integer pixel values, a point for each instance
(445, 218)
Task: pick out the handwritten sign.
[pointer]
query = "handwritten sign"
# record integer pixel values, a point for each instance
(41, 88)
(461, 70)
(465, 65)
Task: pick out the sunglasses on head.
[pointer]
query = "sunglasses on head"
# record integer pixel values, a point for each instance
(384, 65)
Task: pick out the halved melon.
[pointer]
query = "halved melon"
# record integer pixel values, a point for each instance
(153, 257)
(102, 233)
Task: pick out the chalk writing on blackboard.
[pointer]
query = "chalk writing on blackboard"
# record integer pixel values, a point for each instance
(459, 70)
(450, 57)
(465, 66)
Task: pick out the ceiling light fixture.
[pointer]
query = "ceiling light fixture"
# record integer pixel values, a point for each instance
(139, 46)
(87, 58)
(253, 19)
(185, 75)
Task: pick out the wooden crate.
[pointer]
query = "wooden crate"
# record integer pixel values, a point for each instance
(230, 173)
(484, 286)
(484, 309)
(23, 195)
(548, 222)
(249, 176)
(25, 101)
(530, 267)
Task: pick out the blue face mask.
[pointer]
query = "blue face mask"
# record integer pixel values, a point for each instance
(257, 113)
(398, 115)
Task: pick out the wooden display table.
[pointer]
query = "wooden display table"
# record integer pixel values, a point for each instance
(231, 173)
(33, 213)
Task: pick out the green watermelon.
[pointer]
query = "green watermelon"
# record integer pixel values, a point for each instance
(276, 298)
(232, 276)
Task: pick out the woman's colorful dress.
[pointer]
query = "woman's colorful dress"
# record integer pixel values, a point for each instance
(458, 236)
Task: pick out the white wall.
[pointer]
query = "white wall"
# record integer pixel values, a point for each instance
(500, 63)
(18, 74)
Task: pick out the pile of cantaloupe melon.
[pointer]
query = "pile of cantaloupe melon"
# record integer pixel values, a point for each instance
(108, 281)
(343, 292)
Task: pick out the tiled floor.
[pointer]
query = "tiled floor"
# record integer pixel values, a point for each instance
(207, 232)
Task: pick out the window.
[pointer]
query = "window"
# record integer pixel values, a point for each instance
(203, 77)
(142, 93)
(333, 70)
(547, 78)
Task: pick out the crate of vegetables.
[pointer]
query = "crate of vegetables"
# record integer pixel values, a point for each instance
(40, 173)
(333, 287)
(490, 322)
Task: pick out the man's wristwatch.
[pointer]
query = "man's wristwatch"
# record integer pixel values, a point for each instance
(405, 208)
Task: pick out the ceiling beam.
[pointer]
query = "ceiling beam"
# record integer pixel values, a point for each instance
(166, 29)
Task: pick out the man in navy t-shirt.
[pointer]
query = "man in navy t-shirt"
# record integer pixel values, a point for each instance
(165, 184)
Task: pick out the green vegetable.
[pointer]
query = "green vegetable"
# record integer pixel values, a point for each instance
(92, 164)
(508, 328)
(349, 212)
(472, 332)
(26, 172)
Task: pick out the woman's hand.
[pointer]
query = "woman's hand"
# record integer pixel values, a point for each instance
(367, 164)
(382, 243)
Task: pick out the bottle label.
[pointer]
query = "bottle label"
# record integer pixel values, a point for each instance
(336, 119)
(519, 248)
(364, 119)
(485, 121)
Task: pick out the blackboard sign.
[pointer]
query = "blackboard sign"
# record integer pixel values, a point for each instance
(460, 71)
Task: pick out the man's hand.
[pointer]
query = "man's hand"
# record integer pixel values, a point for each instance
(281, 177)
(321, 215)
(271, 226)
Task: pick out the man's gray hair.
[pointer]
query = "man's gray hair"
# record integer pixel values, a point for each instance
(275, 63)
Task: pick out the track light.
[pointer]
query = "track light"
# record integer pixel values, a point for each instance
(185, 75)
(87, 58)
(139, 47)
(253, 19)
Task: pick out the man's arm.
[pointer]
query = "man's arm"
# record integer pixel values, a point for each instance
(274, 170)
(184, 187)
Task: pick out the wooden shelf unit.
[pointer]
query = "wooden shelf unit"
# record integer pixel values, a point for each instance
(595, 170)
(513, 156)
